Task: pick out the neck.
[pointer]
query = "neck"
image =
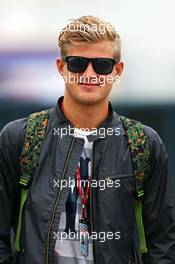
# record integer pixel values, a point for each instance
(85, 116)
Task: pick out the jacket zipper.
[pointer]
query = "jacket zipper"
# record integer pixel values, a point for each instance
(91, 208)
(57, 201)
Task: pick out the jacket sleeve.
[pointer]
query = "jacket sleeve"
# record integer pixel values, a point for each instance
(159, 206)
(11, 141)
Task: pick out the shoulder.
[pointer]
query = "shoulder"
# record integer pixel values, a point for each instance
(156, 146)
(158, 154)
(13, 133)
(155, 142)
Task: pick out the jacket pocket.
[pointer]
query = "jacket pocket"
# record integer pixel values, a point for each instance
(116, 181)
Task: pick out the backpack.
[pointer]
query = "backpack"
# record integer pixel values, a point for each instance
(35, 132)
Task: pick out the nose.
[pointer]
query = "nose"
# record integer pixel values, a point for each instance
(89, 70)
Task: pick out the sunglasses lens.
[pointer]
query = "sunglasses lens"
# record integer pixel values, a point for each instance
(103, 65)
(76, 64)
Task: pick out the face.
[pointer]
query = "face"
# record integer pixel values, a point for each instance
(89, 87)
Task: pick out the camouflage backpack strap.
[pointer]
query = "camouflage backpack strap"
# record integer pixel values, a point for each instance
(139, 149)
(35, 132)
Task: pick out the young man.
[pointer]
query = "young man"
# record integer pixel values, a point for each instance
(61, 214)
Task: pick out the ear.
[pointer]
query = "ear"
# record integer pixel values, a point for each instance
(119, 68)
(60, 65)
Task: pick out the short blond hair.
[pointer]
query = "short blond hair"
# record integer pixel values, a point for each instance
(88, 29)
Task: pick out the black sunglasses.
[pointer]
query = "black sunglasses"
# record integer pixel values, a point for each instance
(78, 64)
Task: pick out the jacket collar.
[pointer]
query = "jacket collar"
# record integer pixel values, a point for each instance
(112, 121)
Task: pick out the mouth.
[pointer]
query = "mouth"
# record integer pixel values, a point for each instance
(89, 85)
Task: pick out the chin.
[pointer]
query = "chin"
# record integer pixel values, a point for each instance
(89, 99)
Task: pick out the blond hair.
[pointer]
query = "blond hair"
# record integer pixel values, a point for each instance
(88, 29)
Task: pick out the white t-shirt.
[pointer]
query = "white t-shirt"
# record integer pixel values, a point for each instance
(67, 251)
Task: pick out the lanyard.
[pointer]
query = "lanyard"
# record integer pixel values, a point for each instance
(83, 196)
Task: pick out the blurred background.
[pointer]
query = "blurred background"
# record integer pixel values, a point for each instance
(29, 80)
